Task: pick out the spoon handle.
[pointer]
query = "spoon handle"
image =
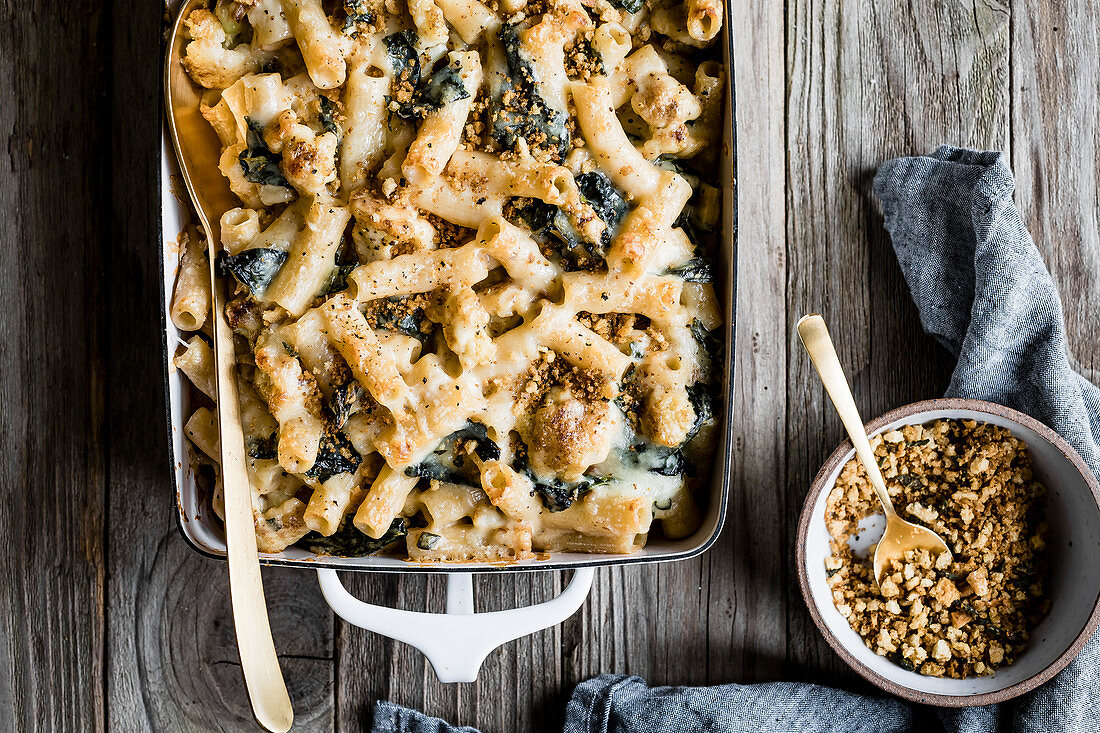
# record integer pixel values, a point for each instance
(815, 337)
(262, 675)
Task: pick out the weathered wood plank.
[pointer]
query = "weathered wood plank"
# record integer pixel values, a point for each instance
(1056, 156)
(868, 81)
(52, 381)
(745, 601)
(520, 685)
(171, 652)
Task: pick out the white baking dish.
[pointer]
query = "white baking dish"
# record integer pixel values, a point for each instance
(455, 642)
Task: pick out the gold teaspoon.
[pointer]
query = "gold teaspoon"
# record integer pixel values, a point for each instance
(197, 150)
(900, 536)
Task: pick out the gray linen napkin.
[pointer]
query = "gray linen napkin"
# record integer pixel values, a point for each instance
(982, 290)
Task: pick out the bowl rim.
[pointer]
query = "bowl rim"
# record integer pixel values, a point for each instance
(817, 486)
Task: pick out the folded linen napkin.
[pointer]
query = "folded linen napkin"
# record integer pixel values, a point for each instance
(982, 290)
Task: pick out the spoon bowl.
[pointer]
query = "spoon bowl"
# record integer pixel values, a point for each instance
(899, 538)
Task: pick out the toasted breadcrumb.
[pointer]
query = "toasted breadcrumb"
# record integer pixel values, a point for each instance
(948, 616)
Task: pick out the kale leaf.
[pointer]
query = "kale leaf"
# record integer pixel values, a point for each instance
(630, 6)
(356, 13)
(259, 164)
(558, 495)
(445, 86)
(606, 200)
(338, 280)
(446, 463)
(710, 341)
(391, 316)
(702, 403)
(346, 401)
(658, 459)
(254, 268)
(401, 50)
(335, 455)
(696, 270)
(520, 111)
(263, 449)
(328, 115)
(442, 88)
(348, 541)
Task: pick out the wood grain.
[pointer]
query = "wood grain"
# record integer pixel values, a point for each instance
(113, 623)
(53, 380)
(1056, 156)
(171, 656)
(868, 81)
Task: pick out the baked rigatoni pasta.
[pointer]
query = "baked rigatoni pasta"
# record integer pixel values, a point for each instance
(472, 292)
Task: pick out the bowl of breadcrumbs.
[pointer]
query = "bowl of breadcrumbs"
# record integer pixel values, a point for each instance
(1018, 596)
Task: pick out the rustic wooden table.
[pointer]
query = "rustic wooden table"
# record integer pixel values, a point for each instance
(111, 622)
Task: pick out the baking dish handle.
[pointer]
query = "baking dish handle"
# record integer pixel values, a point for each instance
(455, 642)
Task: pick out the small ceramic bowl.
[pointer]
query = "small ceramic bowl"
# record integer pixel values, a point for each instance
(1073, 511)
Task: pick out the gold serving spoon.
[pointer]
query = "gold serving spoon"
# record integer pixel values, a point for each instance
(900, 536)
(197, 149)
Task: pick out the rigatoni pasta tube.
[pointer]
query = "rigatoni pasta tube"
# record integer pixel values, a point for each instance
(441, 130)
(191, 301)
(321, 46)
(310, 259)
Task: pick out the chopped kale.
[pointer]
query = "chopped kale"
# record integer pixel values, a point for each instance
(328, 112)
(584, 54)
(348, 541)
(486, 449)
(681, 166)
(445, 86)
(702, 403)
(710, 341)
(432, 468)
(630, 6)
(606, 200)
(549, 223)
(446, 463)
(441, 88)
(263, 449)
(291, 350)
(520, 111)
(402, 320)
(696, 270)
(658, 459)
(259, 164)
(559, 495)
(357, 13)
(346, 401)
(427, 540)
(336, 455)
(910, 443)
(401, 50)
(338, 280)
(254, 268)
